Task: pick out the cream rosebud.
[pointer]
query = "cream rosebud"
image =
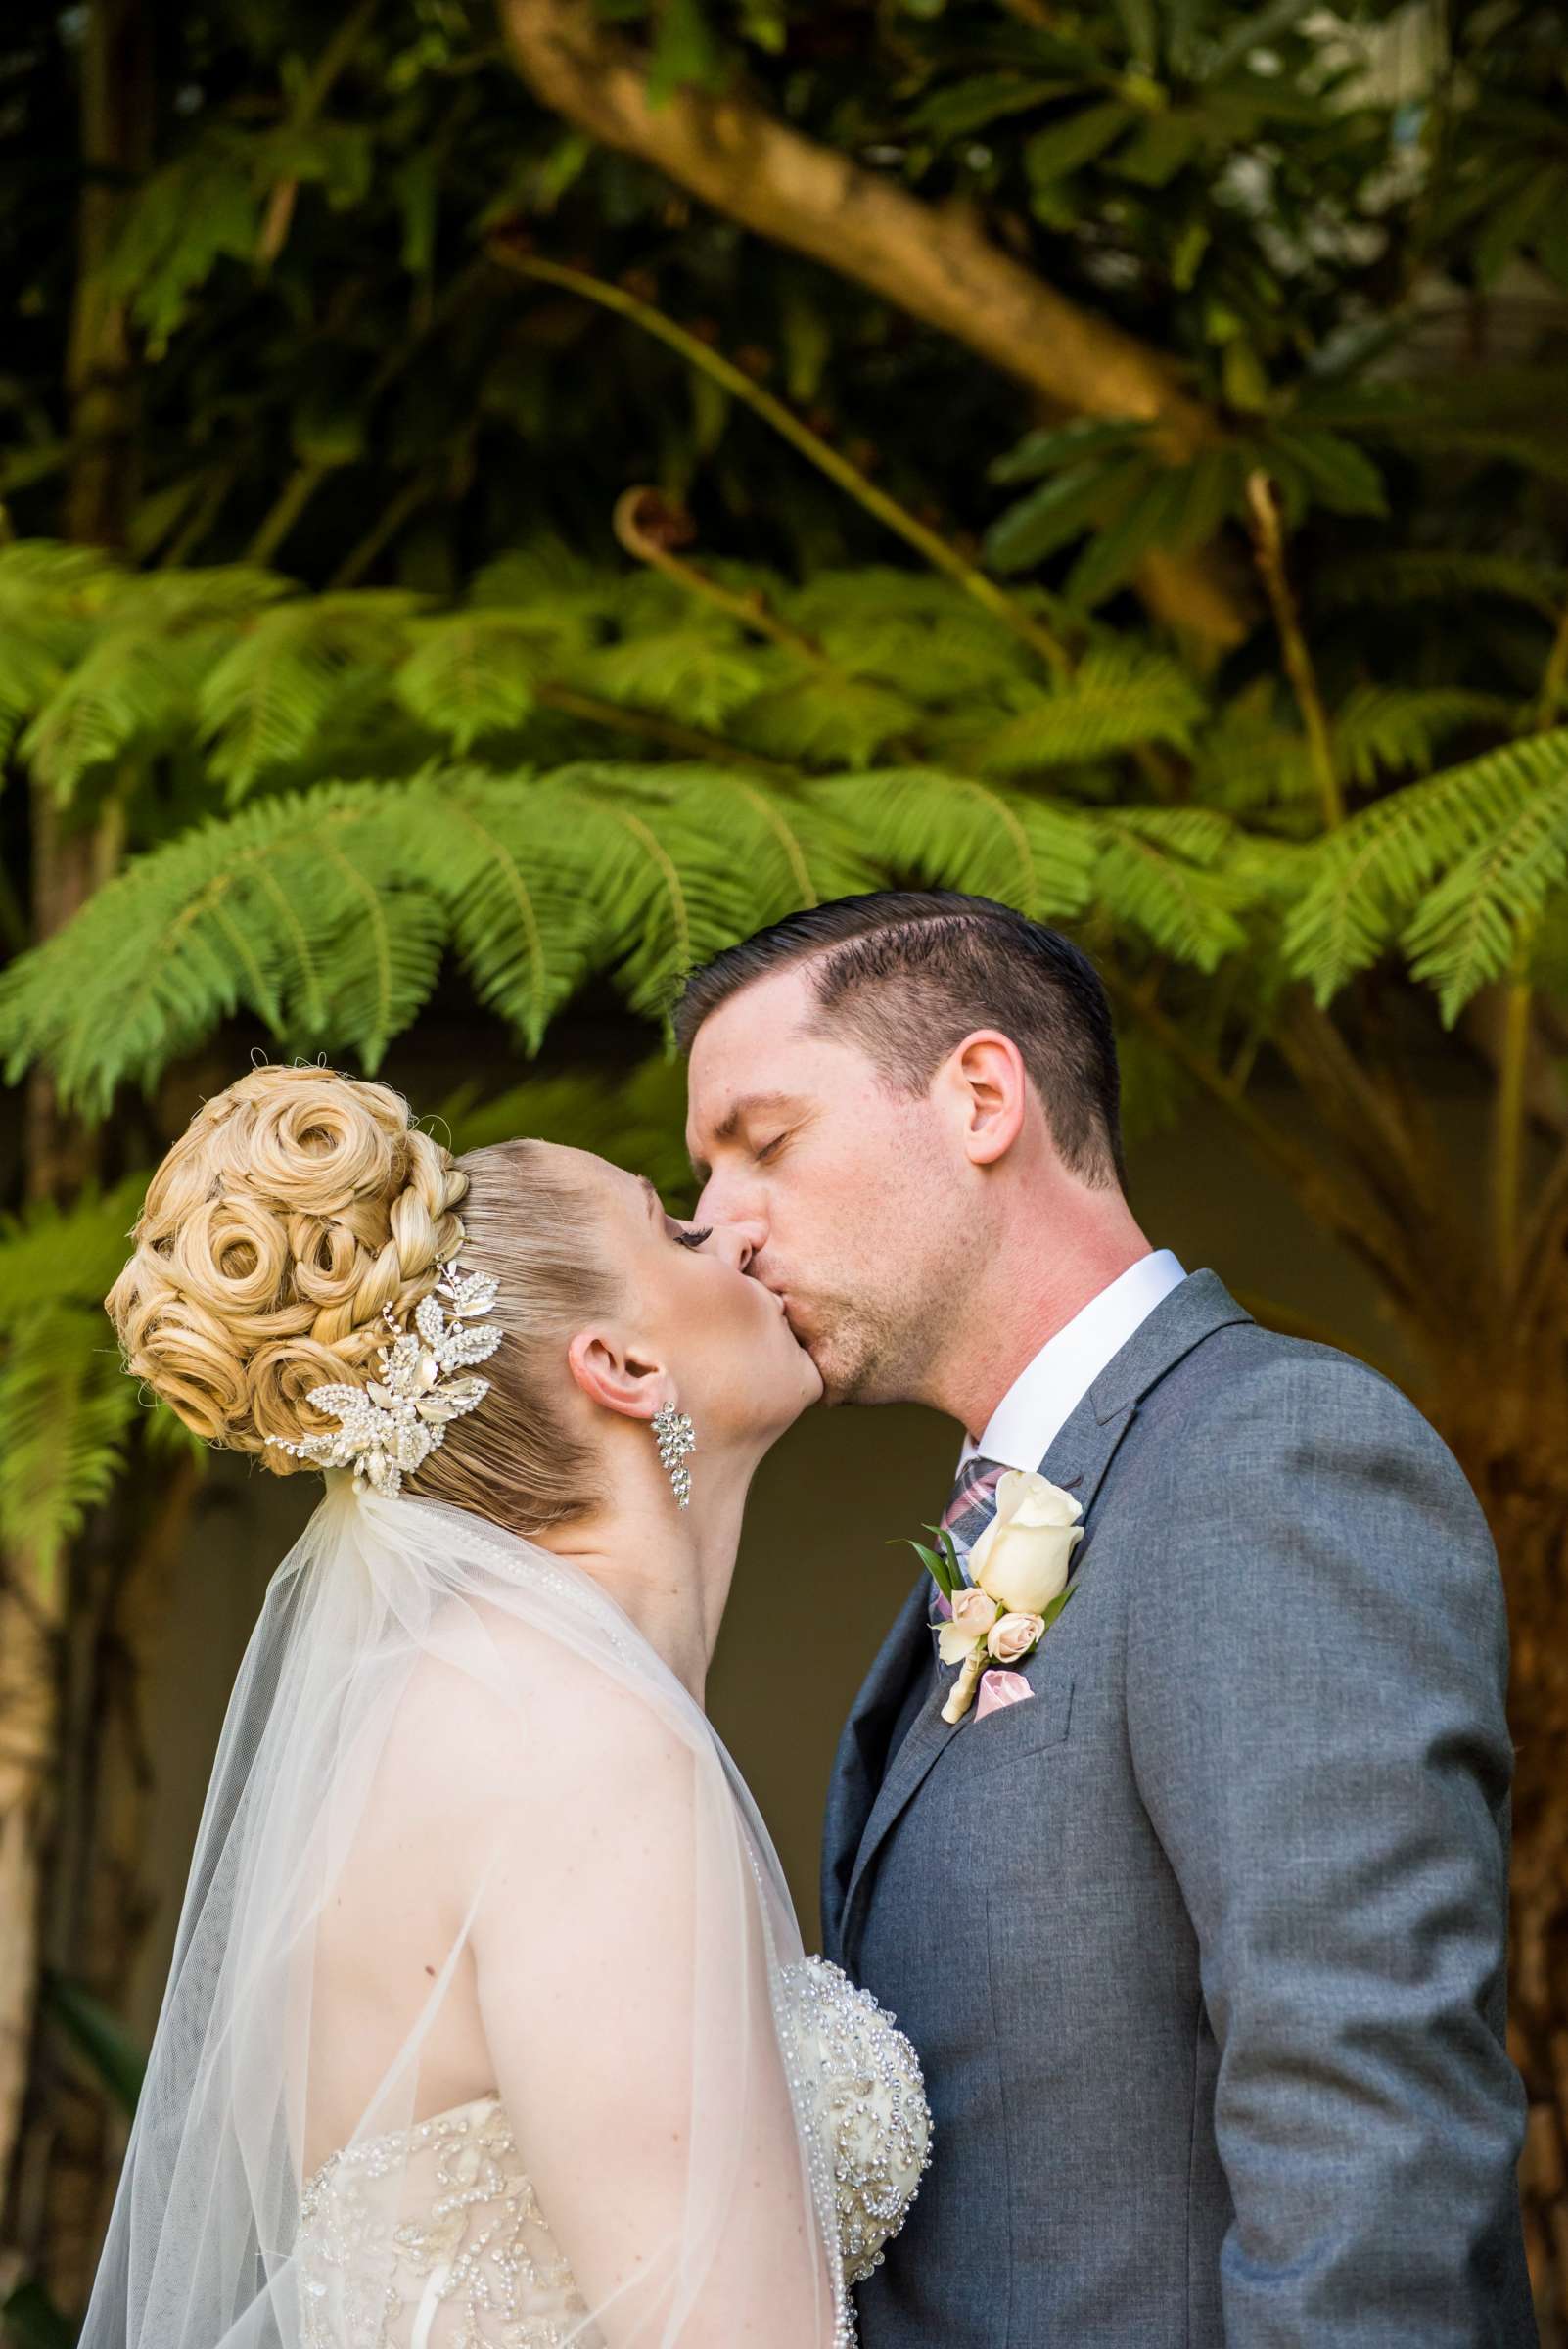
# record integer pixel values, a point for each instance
(1011, 1637)
(1023, 1557)
(972, 1614)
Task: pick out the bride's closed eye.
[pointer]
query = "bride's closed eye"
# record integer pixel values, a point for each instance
(693, 1239)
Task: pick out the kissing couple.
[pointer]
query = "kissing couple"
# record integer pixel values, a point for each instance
(1166, 1864)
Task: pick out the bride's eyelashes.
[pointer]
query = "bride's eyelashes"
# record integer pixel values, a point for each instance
(693, 1239)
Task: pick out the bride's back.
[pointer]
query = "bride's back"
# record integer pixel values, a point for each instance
(479, 1927)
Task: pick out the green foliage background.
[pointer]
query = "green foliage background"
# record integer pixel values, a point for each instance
(518, 580)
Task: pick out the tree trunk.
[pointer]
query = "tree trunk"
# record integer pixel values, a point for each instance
(100, 1908)
(70, 859)
(29, 1708)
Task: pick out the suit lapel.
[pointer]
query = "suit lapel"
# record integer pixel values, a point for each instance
(859, 1764)
(1078, 1461)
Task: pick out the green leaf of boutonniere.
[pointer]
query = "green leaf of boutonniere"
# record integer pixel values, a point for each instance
(1049, 1614)
(936, 1563)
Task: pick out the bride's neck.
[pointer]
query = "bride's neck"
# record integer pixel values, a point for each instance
(669, 1569)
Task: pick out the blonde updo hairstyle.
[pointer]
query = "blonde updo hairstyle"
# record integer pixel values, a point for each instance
(295, 1207)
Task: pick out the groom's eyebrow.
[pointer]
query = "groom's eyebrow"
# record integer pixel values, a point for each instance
(750, 1105)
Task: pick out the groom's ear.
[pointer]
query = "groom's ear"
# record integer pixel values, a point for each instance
(989, 1091)
(613, 1378)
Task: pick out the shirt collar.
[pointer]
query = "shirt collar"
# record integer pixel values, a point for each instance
(1044, 1397)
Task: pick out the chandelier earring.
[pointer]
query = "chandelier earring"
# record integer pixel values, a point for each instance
(675, 1437)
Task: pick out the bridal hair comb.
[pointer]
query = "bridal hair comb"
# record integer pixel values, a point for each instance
(389, 1427)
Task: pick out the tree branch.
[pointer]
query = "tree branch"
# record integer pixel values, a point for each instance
(934, 262)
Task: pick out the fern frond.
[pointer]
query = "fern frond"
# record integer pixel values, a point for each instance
(909, 632)
(1251, 763)
(1168, 873)
(68, 1409)
(265, 700)
(1117, 699)
(1383, 730)
(823, 719)
(951, 831)
(198, 211)
(53, 1256)
(132, 690)
(699, 677)
(710, 856)
(1466, 930)
(636, 1120)
(473, 673)
(550, 577)
(1441, 576)
(313, 912)
(1365, 882)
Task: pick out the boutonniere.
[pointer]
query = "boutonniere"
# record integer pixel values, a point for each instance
(1017, 1584)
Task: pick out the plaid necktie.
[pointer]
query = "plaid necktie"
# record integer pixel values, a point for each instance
(971, 1507)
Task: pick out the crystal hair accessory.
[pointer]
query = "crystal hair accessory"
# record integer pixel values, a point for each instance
(390, 1426)
(676, 1437)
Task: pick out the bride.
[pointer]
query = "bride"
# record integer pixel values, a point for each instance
(488, 2025)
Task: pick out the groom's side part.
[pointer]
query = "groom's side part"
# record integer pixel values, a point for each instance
(1215, 2034)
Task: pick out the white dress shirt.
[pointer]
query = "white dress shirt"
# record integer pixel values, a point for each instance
(1040, 1401)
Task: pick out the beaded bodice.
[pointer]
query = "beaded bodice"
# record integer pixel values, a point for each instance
(467, 2260)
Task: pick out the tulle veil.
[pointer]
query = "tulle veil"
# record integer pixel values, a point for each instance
(391, 1611)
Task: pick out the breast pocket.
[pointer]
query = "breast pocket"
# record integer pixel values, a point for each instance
(1035, 1723)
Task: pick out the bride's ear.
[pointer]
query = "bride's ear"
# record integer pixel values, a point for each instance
(615, 1379)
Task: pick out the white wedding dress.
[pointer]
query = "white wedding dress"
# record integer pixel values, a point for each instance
(470, 2263)
(455, 1782)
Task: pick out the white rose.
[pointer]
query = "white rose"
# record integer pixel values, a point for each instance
(1023, 1557)
(1012, 1636)
(972, 1614)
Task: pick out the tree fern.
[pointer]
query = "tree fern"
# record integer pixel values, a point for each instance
(264, 699)
(820, 717)
(919, 825)
(1365, 882)
(475, 673)
(699, 677)
(1468, 929)
(636, 1120)
(908, 630)
(1117, 699)
(1251, 762)
(53, 1256)
(1165, 872)
(305, 912)
(68, 1408)
(1389, 730)
(704, 857)
(1439, 575)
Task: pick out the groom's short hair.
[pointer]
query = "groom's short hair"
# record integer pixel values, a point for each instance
(908, 973)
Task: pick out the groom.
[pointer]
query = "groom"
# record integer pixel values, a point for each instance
(1201, 1939)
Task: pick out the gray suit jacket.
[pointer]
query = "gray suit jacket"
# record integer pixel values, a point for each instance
(1203, 1947)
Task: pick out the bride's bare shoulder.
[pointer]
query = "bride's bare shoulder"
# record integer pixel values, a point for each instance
(504, 1701)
